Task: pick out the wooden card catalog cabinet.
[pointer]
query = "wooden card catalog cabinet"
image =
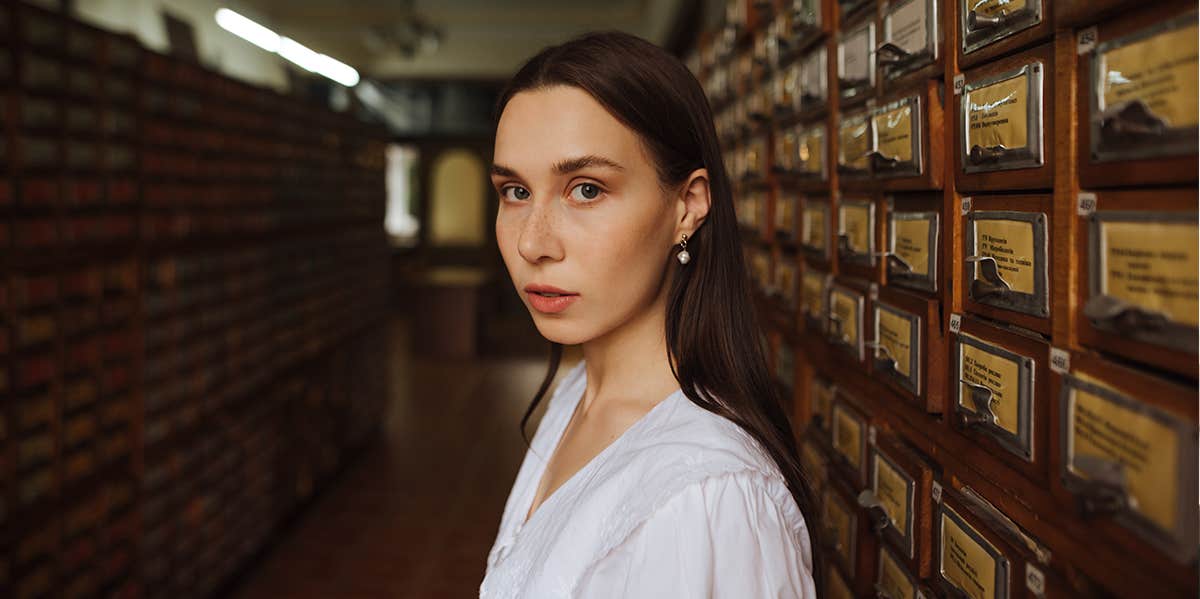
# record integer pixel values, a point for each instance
(1006, 259)
(849, 436)
(1004, 114)
(856, 240)
(814, 82)
(854, 145)
(856, 69)
(814, 299)
(1128, 447)
(815, 466)
(907, 141)
(907, 332)
(853, 545)
(912, 247)
(910, 42)
(996, 376)
(785, 214)
(805, 165)
(836, 586)
(990, 28)
(898, 502)
(1138, 91)
(815, 226)
(973, 560)
(785, 285)
(1138, 288)
(846, 315)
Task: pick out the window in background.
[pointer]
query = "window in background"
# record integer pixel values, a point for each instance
(459, 200)
(401, 220)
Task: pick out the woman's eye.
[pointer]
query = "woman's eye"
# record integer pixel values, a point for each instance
(588, 192)
(520, 193)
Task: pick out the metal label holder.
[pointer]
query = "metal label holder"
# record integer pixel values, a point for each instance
(978, 159)
(900, 272)
(856, 346)
(912, 382)
(977, 413)
(1132, 131)
(1002, 563)
(992, 289)
(822, 206)
(902, 538)
(889, 166)
(850, 89)
(1117, 317)
(979, 31)
(866, 257)
(863, 118)
(1104, 491)
(894, 60)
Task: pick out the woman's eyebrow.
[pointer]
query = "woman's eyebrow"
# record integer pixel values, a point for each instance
(565, 166)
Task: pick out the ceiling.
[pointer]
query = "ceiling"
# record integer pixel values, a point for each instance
(481, 39)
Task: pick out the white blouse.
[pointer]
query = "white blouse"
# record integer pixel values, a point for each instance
(683, 504)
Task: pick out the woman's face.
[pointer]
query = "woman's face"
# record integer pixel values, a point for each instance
(580, 210)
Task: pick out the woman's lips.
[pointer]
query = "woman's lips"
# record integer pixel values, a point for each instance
(556, 301)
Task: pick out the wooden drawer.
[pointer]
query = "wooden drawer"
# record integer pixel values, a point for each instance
(1137, 99)
(1073, 13)
(908, 348)
(999, 384)
(759, 259)
(852, 546)
(894, 581)
(855, 68)
(815, 463)
(1126, 447)
(785, 370)
(912, 243)
(850, 432)
(798, 24)
(814, 299)
(821, 393)
(848, 320)
(907, 138)
(1137, 290)
(859, 236)
(1006, 258)
(786, 280)
(785, 216)
(1005, 116)
(854, 148)
(816, 227)
(898, 501)
(976, 551)
(813, 81)
(752, 211)
(910, 42)
(993, 28)
(802, 157)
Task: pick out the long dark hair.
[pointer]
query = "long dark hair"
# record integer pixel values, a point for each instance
(712, 328)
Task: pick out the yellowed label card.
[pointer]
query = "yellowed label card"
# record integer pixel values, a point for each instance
(894, 133)
(997, 373)
(998, 114)
(844, 308)
(847, 436)
(785, 213)
(812, 151)
(812, 293)
(857, 225)
(910, 242)
(995, 8)
(965, 563)
(891, 488)
(1147, 449)
(814, 225)
(892, 577)
(895, 335)
(1011, 244)
(853, 143)
(1159, 71)
(1153, 266)
(838, 588)
(840, 520)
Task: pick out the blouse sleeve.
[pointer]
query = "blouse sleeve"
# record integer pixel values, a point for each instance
(725, 537)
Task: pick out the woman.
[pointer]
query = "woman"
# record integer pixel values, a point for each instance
(664, 465)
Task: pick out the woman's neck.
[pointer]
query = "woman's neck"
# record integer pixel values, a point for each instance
(629, 364)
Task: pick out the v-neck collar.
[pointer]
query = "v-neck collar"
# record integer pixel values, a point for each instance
(527, 502)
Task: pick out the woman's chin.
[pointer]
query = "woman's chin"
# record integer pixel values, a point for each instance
(557, 331)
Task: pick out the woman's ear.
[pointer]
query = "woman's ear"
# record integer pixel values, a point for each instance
(693, 203)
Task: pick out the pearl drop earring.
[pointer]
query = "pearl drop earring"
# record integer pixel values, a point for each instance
(683, 255)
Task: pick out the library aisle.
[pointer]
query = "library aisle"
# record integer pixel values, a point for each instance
(416, 513)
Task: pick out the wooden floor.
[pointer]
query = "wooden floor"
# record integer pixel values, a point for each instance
(416, 514)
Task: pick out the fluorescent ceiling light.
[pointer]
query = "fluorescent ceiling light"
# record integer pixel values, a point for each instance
(288, 48)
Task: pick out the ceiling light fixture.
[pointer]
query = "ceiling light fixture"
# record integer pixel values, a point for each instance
(286, 47)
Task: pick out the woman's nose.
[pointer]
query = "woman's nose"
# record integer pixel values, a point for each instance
(540, 238)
